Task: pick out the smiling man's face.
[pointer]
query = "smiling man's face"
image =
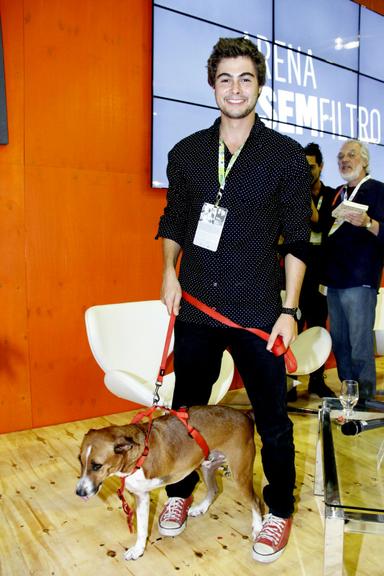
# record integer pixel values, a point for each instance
(236, 87)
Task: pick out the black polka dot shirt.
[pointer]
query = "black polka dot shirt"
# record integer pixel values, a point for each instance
(267, 194)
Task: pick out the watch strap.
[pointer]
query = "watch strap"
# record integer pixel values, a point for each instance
(290, 311)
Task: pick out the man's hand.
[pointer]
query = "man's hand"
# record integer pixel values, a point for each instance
(170, 289)
(357, 218)
(286, 327)
(171, 292)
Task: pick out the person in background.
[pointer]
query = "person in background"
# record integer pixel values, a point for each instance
(313, 300)
(354, 261)
(258, 181)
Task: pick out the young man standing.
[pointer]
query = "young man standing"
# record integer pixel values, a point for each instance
(256, 185)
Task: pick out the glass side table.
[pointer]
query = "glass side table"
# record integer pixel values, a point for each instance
(349, 478)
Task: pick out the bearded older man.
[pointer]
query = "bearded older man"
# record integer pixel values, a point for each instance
(354, 263)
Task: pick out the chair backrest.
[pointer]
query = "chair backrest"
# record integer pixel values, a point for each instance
(311, 349)
(128, 336)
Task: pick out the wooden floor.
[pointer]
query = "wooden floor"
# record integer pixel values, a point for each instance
(46, 530)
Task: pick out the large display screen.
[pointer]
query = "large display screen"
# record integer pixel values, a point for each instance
(325, 75)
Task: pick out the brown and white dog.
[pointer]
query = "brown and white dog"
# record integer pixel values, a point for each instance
(173, 454)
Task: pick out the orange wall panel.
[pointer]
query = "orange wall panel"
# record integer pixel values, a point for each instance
(13, 47)
(90, 244)
(376, 5)
(88, 84)
(77, 214)
(15, 400)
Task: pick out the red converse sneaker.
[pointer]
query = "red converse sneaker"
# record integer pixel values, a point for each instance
(273, 538)
(173, 518)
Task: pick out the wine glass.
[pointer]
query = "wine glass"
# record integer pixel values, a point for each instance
(349, 395)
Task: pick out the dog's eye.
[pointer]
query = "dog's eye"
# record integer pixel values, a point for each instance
(96, 467)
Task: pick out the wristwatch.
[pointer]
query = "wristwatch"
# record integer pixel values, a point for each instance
(295, 312)
(369, 224)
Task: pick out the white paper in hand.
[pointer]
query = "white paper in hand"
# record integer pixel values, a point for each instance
(346, 207)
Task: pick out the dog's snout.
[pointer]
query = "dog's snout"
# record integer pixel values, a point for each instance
(85, 488)
(80, 491)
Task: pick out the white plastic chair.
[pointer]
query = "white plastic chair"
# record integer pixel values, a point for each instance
(311, 349)
(127, 341)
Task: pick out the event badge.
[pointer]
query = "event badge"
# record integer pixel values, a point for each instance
(323, 289)
(316, 238)
(210, 226)
(212, 217)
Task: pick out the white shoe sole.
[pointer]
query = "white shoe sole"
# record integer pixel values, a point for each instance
(172, 531)
(266, 559)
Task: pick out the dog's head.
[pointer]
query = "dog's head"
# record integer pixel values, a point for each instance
(106, 452)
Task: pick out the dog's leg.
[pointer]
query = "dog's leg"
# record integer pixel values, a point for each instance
(241, 464)
(142, 516)
(246, 487)
(208, 469)
(256, 518)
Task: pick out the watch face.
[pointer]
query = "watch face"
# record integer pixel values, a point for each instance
(298, 314)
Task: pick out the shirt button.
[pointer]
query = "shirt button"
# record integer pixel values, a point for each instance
(215, 284)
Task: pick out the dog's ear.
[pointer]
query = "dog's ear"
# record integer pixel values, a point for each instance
(90, 431)
(124, 444)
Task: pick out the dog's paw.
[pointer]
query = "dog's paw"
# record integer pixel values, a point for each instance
(198, 509)
(133, 553)
(256, 527)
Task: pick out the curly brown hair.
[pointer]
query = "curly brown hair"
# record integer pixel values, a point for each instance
(232, 48)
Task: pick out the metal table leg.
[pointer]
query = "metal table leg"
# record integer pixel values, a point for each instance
(333, 542)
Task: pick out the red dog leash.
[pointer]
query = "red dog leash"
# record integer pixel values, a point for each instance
(127, 509)
(278, 346)
(278, 349)
(160, 376)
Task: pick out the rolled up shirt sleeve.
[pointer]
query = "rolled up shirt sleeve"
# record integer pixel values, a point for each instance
(173, 222)
(295, 208)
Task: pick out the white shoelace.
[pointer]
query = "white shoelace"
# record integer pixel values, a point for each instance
(174, 509)
(273, 527)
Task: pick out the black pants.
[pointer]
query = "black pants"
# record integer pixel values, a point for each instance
(198, 352)
(313, 305)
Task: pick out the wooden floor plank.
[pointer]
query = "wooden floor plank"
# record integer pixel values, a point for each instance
(46, 530)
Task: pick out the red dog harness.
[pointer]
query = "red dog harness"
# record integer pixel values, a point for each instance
(183, 416)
